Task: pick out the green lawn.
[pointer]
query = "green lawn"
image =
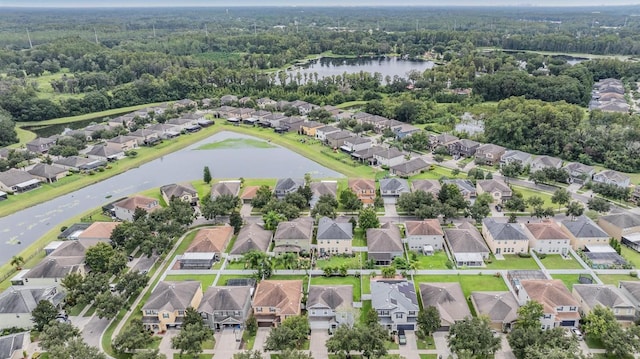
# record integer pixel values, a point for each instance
(437, 261)
(614, 279)
(339, 261)
(556, 261)
(186, 356)
(427, 343)
(349, 280)
(224, 278)
(209, 344)
(528, 192)
(631, 256)
(512, 261)
(236, 143)
(568, 279)
(593, 343)
(366, 284)
(366, 306)
(438, 172)
(358, 238)
(428, 356)
(24, 136)
(469, 283)
(205, 279)
(240, 264)
(186, 242)
(248, 340)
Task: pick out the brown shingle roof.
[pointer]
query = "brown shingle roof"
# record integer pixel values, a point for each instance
(551, 293)
(546, 230)
(98, 230)
(282, 294)
(211, 240)
(359, 184)
(134, 202)
(249, 192)
(427, 227)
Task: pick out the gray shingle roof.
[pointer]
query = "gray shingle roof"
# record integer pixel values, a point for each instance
(225, 188)
(605, 295)
(386, 239)
(632, 287)
(623, 220)
(321, 188)
(498, 306)
(394, 184)
(465, 239)
(413, 165)
(334, 297)
(46, 171)
(224, 298)
(12, 343)
(584, 227)
(516, 155)
(432, 186)
(296, 229)
(25, 299)
(546, 161)
(505, 231)
(339, 135)
(494, 185)
(289, 184)
(252, 236)
(447, 298)
(56, 267)
(178, 190)
(13, 177)
(390, 153)
(172, 296)
(391, 294)
(73, 161)
(329, 229)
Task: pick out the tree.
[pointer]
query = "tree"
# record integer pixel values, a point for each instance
(601, 324)
(574, 209)
(17, 262)
(117, 262)
(529, 315)
(220, 206)
(473, 335)
(294, 354)
(271, 220)
(263, 196)
(97, 257)
(561, 196)
(255, 354)
(599, 321)
(291, 334)
(72, 282)
(149, 354)
(368, 219)
(325, 207)
(516, 203)
(511, 170)
(343, 341)
(479, 211)
(428, 321)
(371, 317)
(235, 220)
(189, 340)
(206, 175)
(57, 334)
(450, 194)
(350, 201)
(535, 201)
(92, 285)
(372, 340)
(388, 272)
(599, 205)
(108, 305)
(43, 313)
(8, 134)
(76, 348)
(131, 283)
(133, 336)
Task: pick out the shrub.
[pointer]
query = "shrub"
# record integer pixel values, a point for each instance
(524, 255)
(633, 274)
(541, 255)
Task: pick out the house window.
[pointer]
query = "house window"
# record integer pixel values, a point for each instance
(150, 312)
(398, 315)
(165, 315)
(547, 316)
(259, 309)
(272, 310)
(237, 312)
(412, 312)
(181, 313)
(573, 309)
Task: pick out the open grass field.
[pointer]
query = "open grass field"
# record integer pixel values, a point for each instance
(24, 136)
(528, 192)
(512, 261)
(350, 280)
(556, 261)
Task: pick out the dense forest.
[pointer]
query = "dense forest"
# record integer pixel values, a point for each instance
(66, 62)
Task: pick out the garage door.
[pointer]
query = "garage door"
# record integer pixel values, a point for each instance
(389, 200)
(265, 324)
(406, 327)
(567, 323)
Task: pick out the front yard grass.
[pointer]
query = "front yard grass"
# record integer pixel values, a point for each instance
(593, 343)
(614, 279)
(339, 261)
(205, 279)
(428, 356)
(528, 192)
(187, 356)
(358, 238)
(349, 280)
(366, 284)
(512, 261)
(427, 343)
(366, 307)
(556, 261)
(437, 261)
(248, 340)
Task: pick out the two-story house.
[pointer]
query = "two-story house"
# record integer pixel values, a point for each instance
(17, 303)
(384, 243)
(184, 192)
(466, 187)
(620, 225)
(127, 143)
(251, 237)
(427, 186)
(559, 307)
(582, 232)
(328, 307)
(466, 245)
(424, 236)
(489, 154)
(294, 236)
(631, 290)
(613, 178)
(448, 299)
(392, 188)
(322, 132)
(547, 237)
(441, 140)
(228, 306)
(463, 148)
(608, 296)
(498, 189)
(277, 300)
(310, 128)
(287, 185)
(334, 237)
(365, 189)
(125, 209)
(168, 302)
(505, 238)
(389, 157)
(40, 145)
(542, 162)
(396, 303)
(579, 173)
(356, 143)
(336, 139)
(515, 156)
(322, 188)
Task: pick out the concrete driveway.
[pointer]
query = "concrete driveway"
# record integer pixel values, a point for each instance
(504, 352)
(261, 338)
(410, 350)
(317, 347)
(390, 210)
(226, 344)
(92, 329)
(440, 339)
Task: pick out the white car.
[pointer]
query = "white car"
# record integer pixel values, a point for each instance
(577, 333)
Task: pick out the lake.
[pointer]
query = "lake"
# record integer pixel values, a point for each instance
(387, 66)
(28, 225)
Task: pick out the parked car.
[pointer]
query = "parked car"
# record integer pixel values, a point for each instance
(402, 338)
(575, 331)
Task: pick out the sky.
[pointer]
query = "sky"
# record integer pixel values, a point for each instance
(227, 3)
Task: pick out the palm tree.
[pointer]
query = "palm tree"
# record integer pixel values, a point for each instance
(17, 261)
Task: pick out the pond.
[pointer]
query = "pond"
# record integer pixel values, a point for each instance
(229, 160)
(386, 66)
(51, 130)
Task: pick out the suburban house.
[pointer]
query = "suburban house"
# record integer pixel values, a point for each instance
(294, 236)
(428, 186)
(547, 237)
(292, 123)
(12, 346)
(466, 187)
(48, 173)
(206, 248)
(542, 162)
(251, 237)
(366, 155)
(620, 225)
(505, 238)
(613, 178)
(16, 181)
(276, 300)
(489, 154)
(288, 185)
(322, 188)
(410, 168)
(396, 303)
(126, 143)
(265, 102)
(515, 156)
(248, 194)
(322, 132)
(365, 189)
(403, 130)
(334, 237)
(106, 151)
(17, 303)
(185, 103)
(582, 232)
(228, 99)
(424, 236)
(356, 143)
(229, 188)
(463, 148)
(498, 189)
(579, 173)
(100, 231)
(309, 128)
(328, 307)
(165, 131)
(146, 136)
(500, 307)
(40, 145)
(223, 307)
(559, 307)
(124, 209)
(167, 304)
(184, 192)
(631, 290)
(389, 157)
(384, 243)
(466, 245)
(78, 163)
(392, 188)
(448, 299)
(608, 296)
(441, 140)
(635, 195)
(336, 139)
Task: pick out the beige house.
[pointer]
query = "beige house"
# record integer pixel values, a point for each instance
(229, 188)
(424, 236)
(334, 237)
(168, 302)
(559, 307)
(276, 300)
(448, 298)
(500, 307)
(489, 154)
(620, 224)
(125, 209)
(294, 236)
(547, 237)
(365, 189)
(505, 238)
(99, 231)
(47, 173)
(582, 232)
(184, 192)
(126, 143)
(592, 295)
(498, 189)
